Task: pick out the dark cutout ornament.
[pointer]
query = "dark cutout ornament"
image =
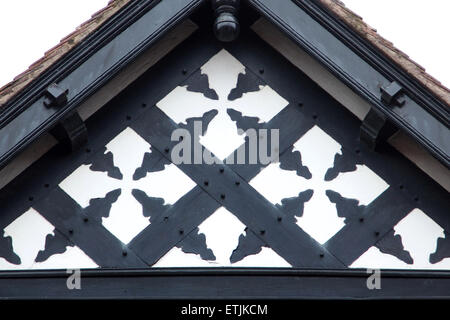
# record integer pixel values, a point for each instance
(226, 25)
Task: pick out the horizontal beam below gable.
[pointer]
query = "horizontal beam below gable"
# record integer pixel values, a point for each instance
(225, 283)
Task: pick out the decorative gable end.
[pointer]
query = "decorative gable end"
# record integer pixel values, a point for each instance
(225, 155)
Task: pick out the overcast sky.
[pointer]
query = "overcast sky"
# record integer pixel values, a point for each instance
(28, 28)
(420, 28)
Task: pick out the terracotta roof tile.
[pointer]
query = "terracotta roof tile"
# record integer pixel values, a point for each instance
(57, 52)
(387, 48)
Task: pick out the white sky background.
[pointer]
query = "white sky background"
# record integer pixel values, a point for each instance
(29, 28)
(419, 28)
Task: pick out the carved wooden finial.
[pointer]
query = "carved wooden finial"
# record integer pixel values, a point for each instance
(226, 25)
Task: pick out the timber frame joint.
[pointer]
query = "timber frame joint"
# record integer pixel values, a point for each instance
(375, 129)
(392, 94)
(71, 132)
(55, 96)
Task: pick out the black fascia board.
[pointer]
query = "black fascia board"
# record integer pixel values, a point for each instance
(226, 283)
(423, 116)
(364, 69)
(87, 68)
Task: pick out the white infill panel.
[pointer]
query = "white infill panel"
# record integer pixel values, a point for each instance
(126, 219)
(222, 231)
(28, 233)
(419, 234)
(222, 137)
(318, 151)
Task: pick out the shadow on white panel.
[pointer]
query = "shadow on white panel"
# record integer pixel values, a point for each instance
(28, 233)
(222, 231)
(419, 236)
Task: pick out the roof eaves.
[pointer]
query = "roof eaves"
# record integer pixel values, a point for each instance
(53, 55)
(354, 21)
